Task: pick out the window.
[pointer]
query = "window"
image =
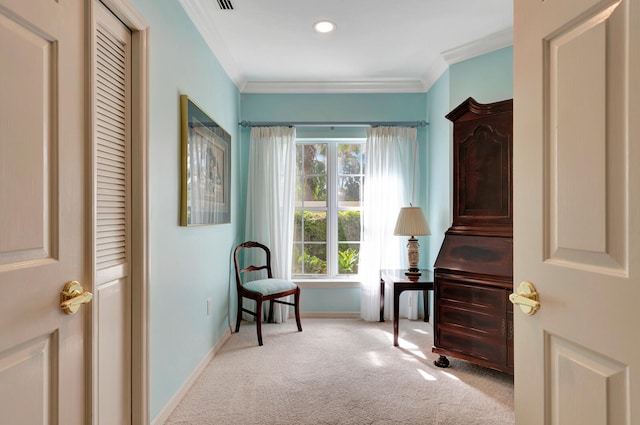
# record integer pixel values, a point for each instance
(328, 208)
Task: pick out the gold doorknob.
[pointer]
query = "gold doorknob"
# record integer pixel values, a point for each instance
(526, 298)
(72, 297)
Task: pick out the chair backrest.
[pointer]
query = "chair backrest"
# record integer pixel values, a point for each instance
(244, 252)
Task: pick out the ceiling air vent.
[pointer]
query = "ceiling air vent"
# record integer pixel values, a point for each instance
(225, 4)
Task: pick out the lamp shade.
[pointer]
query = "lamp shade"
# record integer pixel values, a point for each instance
(411, 222)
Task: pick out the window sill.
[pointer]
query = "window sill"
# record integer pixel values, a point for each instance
(328, 283)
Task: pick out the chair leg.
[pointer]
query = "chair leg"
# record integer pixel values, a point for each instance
(239, 316)
(259, 320)
(270, 317)
(297, 309)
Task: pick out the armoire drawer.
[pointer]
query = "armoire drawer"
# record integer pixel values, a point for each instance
(479, 296)
(487, 349)
(487, 322)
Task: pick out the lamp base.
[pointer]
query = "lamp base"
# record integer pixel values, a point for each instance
(413, 257)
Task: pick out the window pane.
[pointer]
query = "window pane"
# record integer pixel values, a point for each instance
(315, 191)
(296, 262)
(315, 158)
(350, 158)
(297, 226)
(348, 258)
(299, 159)
(348, 226)
(349, 191)
(314, 259)
(315, 226)
(299, 191)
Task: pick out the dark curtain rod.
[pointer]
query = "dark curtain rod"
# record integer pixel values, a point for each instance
(422, 123)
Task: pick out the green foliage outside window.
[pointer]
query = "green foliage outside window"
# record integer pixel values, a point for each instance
(315, 225)
(348, 261)
(312, 264)
(314, 229)
(348, 225)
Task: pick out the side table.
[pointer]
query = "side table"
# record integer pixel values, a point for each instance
(402, 282)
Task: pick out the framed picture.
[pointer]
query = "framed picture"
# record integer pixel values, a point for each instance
(206, 171)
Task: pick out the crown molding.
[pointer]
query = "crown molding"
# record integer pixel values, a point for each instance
(312, 87)
(437, 68)
(198, 15)
(495, 41)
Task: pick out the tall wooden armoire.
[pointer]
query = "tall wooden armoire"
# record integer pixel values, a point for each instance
(473, 273)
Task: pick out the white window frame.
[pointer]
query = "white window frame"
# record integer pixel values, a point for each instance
(332, 211)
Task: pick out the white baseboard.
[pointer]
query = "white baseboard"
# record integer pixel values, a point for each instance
(164, 414)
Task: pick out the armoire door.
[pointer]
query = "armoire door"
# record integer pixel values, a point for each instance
(576, 203)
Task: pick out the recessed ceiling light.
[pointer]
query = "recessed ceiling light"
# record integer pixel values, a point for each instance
(324, 26)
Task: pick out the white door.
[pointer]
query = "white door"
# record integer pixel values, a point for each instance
(43, 210)
(577, 210)
(111, 123)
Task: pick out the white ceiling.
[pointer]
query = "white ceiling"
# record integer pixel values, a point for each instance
(378, 46)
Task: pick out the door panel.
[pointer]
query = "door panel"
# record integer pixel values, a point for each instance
(576, 197)
(588, 152)
(114, 347)
(27, 372)
(587, 387)
(28, 215)
(42, 212)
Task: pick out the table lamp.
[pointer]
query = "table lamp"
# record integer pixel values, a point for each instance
(411, 222)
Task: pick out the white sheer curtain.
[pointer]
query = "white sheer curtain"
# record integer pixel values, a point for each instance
(270, 198)
(388, 186)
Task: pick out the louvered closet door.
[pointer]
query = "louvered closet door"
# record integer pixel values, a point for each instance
(111, 147)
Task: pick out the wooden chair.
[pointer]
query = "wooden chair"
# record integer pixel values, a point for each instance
(260, 290)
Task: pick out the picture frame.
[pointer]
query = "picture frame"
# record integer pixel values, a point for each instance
(206, 168)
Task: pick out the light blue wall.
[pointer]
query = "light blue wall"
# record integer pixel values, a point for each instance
(335, 108)
(487, 78)
(187, 265)
(330, 300)
(439, 168)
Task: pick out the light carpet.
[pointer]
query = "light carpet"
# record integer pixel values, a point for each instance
(342, 371)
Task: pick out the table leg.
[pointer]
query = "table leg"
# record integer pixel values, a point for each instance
(396, 313)
(425, 294)
(382, 300)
